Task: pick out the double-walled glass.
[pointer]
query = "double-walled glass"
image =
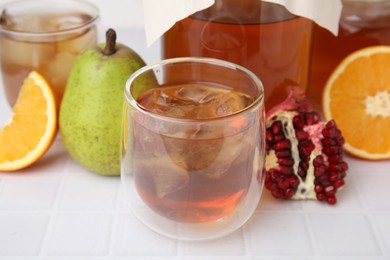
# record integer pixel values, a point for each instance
(193, 147)
(45, 36)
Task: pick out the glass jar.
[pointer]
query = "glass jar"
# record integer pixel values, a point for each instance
(261, 36)
(192, 169)
(363, 23)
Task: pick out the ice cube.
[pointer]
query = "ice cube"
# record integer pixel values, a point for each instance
(167, 176)
(196, 94)
(57, 70)
(27, 54)
(78, 41)
(232, 102)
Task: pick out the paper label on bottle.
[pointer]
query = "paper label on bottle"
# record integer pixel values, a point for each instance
(161, 15)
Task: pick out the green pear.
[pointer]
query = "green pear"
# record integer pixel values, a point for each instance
(90, 116)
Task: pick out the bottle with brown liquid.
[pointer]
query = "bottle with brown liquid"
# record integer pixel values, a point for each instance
(363, 23)
(261, 36)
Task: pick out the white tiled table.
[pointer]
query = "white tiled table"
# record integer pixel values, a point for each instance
(56, 210)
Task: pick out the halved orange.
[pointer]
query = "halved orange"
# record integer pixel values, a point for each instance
(357, 97)
(31, 130)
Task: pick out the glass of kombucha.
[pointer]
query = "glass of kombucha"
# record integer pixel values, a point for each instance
(193, 146)
(261, 36)
(363, 23)
(45, 36)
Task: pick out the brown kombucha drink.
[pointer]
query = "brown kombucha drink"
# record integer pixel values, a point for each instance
(196, 174)
(45, 41)
(263, 37)
(363, 24)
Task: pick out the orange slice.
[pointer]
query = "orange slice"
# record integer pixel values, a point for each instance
(357, 97)
(30, 131)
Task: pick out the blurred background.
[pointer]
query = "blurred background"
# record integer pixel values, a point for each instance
(124, 16)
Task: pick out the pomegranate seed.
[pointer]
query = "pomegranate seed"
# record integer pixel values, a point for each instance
(322, 179)
(311, 118)
(283, 153)
(328, 142)
(301, 172)
(277, 193)
(330, 190)
(340, 141)
(321, 196)
(335, 167)
(334, 158)
(279, 137)
(344, 166)
(276, 127)
(338, 183)
(269, 136)
(293, 181)
(283, 184)
(286, 170)
(282, 145)
(305, 151)
(288, 193)
(286, 161)
(318, 188)
(304, 165)
(274, 175)
(331, 150)
(331, 200)
(318, 161)
(269, 185)
(301, 135)
(319, 171)
(331, 124)
(333, 176)
(298, 122)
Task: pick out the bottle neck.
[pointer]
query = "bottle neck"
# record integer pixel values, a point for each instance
(244, 12)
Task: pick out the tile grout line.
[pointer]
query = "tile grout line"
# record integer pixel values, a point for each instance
(372, 223)
(54, 211)
(377, 234)
(114, 224)
(310, 231)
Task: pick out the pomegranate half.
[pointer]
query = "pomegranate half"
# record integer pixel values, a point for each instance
(304, 154)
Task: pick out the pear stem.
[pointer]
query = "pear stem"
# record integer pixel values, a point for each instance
(110, 49)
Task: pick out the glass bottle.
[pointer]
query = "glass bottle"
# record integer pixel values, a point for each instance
(261, 36)
(363, 23)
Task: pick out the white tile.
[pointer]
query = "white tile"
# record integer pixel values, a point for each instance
(383, 222)
(87, 190)
(132, 238)
(21, 234)
(359, 166)
(278, 233)
(216, 258)
(34, 187)
(36, 190)
(344, 235)
(80, 235)
(375, 190)
(231, 245)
